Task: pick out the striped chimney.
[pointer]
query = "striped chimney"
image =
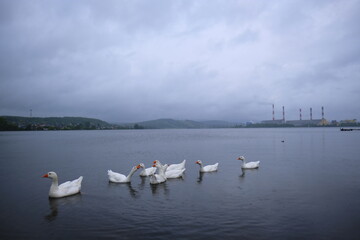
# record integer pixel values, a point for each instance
(283, 113)
(273, 113)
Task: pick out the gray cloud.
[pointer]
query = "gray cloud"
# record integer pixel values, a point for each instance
(138, 60)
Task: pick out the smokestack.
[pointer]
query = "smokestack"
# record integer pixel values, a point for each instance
(300, 114)
(273, 113)
(283, 113)
(310, 113)
(322, 112)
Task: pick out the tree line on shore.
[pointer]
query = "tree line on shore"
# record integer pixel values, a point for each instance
(12, 123)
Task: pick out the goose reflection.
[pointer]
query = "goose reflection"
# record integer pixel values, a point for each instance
(201, 175)
(132, 191)
(156, 188)
(143, 181)
(242, 173)
(200, 178)
(56, 203)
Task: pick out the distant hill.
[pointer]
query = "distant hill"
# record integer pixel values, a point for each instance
(9, 123)
(57, 122)
(171, 123)
(218, 124)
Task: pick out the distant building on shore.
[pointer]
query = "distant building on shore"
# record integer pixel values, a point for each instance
(348, 121)
(273, 121)
(297, 123)
(313, 122)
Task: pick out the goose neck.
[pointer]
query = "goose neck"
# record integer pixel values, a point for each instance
(131, 173)
(243, 162)
(201, 166)
(54, 184)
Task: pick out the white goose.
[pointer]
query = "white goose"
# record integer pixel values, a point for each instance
(177, 173)
(208, 168)
(171, 167)
(65, 189)
(164, 169)
(121, 178)
(249, 165)
(147, 171)
(158, 178)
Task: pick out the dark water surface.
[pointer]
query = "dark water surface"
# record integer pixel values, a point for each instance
(307, 187)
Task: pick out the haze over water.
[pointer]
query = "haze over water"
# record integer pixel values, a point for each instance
(307, 187)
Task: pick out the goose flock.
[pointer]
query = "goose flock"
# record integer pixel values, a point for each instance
(157, 174)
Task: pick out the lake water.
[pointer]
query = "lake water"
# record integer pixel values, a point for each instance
(307, 187)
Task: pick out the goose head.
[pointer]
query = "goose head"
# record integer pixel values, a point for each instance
(242, 158)
(134, 168)
(51, 175)
(157, 165)
(198, 162)
(141, 165)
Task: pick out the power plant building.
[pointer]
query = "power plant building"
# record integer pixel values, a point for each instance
(273, 122)
(313, 122)
(298, 123)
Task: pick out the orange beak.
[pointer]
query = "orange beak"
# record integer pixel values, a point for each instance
(154, 165)
(138, 166)
(46, 175)
(154, 162)
(197, 162)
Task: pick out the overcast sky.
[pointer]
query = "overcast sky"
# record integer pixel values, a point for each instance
(124, 61)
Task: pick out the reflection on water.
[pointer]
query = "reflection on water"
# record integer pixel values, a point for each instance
(143, 180)
(141, 184)
(157, 188)
(242, 173)
(176, 179)
(202, 174)
(55, 203)
(200, 178)
(132, 191)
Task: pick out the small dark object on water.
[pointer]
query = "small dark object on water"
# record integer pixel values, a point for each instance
(349, 129)
(282, 141)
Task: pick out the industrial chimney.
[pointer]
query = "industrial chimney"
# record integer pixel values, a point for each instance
(310, 113)
(283, 114)
(300, 114)
(322, 112)
(273, 113)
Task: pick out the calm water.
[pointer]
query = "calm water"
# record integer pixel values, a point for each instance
(307, 187)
